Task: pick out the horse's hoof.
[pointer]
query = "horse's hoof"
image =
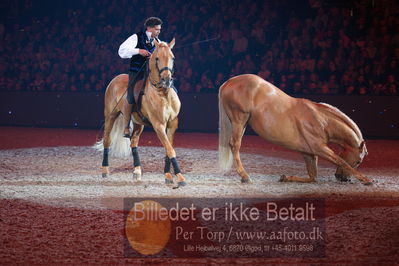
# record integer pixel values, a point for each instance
(104, 171)
(283, 178)
(181, 184)
(369, 183)
(342, 178)
(246, 180)
(137, 176)
(168, 178)
(168, 181)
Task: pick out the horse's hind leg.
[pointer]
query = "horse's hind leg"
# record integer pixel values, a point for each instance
(109, 123)
(238, 123)
(329, 155)
(170, 132)
(311, 166)
(134, 142)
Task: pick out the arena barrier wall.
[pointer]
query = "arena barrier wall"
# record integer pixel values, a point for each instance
(377, 116)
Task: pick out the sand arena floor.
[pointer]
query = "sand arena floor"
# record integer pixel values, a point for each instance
(56, 207)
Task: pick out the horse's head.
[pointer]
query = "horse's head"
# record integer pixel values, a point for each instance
(161, 65)
(354, 157)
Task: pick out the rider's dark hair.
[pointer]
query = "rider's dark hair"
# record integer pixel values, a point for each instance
(152, 21)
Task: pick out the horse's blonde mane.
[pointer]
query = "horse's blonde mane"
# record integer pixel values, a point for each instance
(163, 44)
(343, 117)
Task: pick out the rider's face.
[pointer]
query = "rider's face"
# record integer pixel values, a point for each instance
(155, 31)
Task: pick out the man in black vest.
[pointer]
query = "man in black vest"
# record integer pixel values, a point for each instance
(138, 47)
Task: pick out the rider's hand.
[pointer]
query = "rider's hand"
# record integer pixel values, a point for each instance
(144, 52)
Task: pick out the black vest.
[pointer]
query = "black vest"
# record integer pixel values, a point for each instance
(138, 60)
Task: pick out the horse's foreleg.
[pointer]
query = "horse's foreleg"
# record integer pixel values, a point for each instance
(329, 155)
(238, 129)
(311, 166)
(170, 132)
(134, 142)
(109, 123)
(166, 171)
(170, 152)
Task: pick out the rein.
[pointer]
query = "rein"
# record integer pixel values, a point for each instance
(141, 94)
(156, 85)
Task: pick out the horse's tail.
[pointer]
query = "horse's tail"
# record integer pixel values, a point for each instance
(120, 146)
(225, 155)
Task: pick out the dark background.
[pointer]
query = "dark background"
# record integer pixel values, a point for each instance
(377, 116)
(57, 57)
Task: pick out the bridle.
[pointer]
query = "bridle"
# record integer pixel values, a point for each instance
(164, 69)
(161, 83)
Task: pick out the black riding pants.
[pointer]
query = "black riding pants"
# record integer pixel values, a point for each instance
(133, 78)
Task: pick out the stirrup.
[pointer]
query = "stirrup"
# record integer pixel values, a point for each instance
(134, 108)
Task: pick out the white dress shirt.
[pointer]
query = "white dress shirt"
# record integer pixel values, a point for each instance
(128, 48)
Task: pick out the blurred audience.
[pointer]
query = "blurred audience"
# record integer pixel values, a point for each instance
(303, 47)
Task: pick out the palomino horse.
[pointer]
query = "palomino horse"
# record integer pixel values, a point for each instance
(160, 105)
(297, 124)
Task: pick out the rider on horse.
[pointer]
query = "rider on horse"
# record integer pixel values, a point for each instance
(138, 47)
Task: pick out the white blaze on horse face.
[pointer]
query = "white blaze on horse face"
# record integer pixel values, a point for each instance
(354, 156)
(363, 151)
(169, 61)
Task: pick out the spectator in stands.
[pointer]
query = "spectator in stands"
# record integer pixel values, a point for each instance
(391, 86)
(240, 44)
(264, 72)
(339, 45)
(220, 79)
(332, 84)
